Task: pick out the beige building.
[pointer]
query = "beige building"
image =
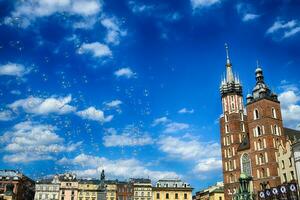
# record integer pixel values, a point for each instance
(88, 189)
(47, 189)
(215, 192)
(68, 187)
(142, 189)
(286, 163)
(172, 189)
(111, 190)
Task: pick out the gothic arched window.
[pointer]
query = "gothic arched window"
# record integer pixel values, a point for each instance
(258, 131)
(274, 113)
(255, 114)
(246, 164)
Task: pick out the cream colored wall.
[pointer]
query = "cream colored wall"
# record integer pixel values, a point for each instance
(87, 190)
(46, 191)
(142, 191)
(111, 191)
(172, 195)
(217, 196)
(283, 155)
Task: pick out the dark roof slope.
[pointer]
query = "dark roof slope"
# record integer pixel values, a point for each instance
(291, 134)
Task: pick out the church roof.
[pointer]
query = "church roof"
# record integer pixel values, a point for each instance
(293, 135)
(245, 144)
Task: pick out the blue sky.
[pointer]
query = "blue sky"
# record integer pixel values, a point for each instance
(132, 86)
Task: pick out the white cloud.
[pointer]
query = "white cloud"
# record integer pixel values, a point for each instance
(91, 166)
(130, 136)
(13, 69)
(6, 115)
(44, 106)
(246, 11)
(96, 49)
(92, 113)
(113, 104)
(208, 164)
(203, 154)
(185, 110)
(114, 32)
(27, 11)
(161, 120)
(203, 3)
(290, 107)
(175, 127)
(284, 29)
(250, 16)
(125, 72)
(140, 8)
(28, 141)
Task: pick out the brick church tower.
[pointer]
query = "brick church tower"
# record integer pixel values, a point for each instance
(249, 141)
(233, 128)
(266, 133)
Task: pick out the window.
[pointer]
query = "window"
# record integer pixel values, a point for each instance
(263, 173)
(167, 195)
(259, 144)
(226, 118)
(229, 153)
(176, 195)
(292, 175)
(226, 129)
(242, 127)
(284, 177)
(261, 159)
(291, 163)
(246, 165)
(282, 164)
(185, 196)
(220, 198)
(274, 113)
(157, 195)
(241, 116)
(258, 131)
(255, 114)
(275, 130)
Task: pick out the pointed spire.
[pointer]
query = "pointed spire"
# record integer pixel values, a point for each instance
(229, 74)
(227, 55)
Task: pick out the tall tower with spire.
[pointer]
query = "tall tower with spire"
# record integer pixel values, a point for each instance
(232, 127)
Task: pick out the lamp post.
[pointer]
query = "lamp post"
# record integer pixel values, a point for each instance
(244, 190)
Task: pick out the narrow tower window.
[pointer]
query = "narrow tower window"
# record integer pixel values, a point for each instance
(226, 118)
(258, 131)
(255, 114)
(274, 113)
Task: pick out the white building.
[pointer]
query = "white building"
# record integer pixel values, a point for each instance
(47, 189)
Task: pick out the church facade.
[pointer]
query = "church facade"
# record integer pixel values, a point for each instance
(251, 133)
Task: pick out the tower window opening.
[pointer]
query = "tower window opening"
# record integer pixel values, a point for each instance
(241, 116)
(261, 159)
(258, 131)
(226, 118)
(274, 113)
(227, 129)
(255, 114)
(275, 130)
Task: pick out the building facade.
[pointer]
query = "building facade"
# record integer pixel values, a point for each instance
(47, 189)
(286, 163)
(111, 190)
(250, 135)
(142, 189)
(68, 187)
(215, 192)
(16, 186)
(88, 189)
(124, 190)
(172, 189)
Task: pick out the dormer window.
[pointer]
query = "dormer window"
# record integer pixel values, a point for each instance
(255, 114)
